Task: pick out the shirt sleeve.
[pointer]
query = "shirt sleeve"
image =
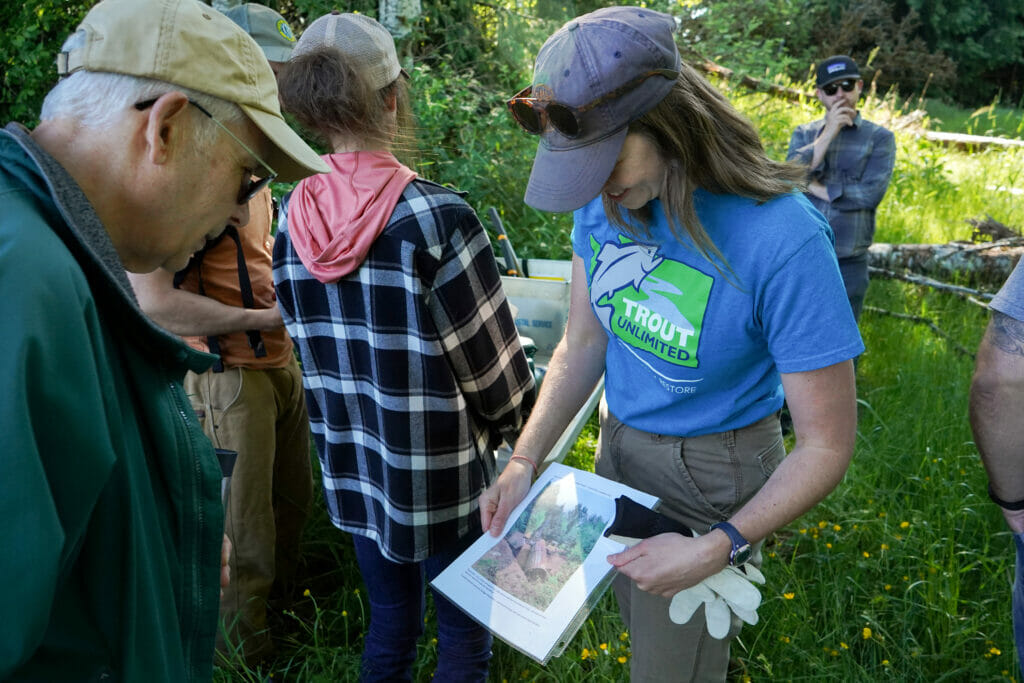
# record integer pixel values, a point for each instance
(865, 191)
(57, 452)
(798, 141)
(1010, 299)
(478, 333)
(806, 316)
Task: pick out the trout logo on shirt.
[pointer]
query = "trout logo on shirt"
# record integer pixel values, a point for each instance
(652, 304)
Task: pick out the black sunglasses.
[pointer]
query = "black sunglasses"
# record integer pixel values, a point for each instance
(533, 113)
(847, 85)
(251, 185)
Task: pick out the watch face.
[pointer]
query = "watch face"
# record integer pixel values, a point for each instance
(741, 555)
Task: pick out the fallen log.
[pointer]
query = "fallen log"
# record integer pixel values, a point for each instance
(985, 265)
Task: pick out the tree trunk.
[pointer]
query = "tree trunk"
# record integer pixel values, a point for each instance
(981, 264)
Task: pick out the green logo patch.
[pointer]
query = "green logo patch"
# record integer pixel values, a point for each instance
(651, 303)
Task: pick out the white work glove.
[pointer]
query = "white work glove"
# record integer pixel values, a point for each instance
(730, 590)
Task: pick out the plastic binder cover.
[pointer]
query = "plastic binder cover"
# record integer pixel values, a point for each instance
(534, 586)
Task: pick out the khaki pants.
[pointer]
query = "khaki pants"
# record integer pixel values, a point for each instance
(700, 480)
(261, 414)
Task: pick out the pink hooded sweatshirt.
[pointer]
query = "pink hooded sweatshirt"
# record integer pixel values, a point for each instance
(334, 218)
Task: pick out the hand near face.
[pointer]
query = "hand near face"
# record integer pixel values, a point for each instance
(838, 117)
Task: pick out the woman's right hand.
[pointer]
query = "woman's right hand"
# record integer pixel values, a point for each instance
(498, 500)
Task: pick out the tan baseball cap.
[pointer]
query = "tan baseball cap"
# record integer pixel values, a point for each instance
(361, 39)
(192, 45)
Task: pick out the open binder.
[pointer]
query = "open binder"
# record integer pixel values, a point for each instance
(534, 586)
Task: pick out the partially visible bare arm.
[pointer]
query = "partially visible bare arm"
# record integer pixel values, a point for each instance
(574, 370)
(823, 405)
(185, 313)
(997, 410)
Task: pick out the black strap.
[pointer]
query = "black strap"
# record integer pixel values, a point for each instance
(244, 285)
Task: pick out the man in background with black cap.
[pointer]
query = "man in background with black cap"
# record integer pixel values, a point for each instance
(165, 124)
(850, 162)
(251, 401)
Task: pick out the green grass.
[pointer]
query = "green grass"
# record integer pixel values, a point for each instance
(994, 119)
(901, 574)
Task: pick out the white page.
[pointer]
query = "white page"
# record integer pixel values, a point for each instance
(527, 586)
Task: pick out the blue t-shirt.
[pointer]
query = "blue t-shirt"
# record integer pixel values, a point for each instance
(695, 350)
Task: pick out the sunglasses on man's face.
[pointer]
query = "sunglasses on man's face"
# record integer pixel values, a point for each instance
(251, 183)
(847, 85)
(534, 114)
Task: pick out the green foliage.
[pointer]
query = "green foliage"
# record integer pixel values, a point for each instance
(985, 39)
(468, 140)
(31, 34)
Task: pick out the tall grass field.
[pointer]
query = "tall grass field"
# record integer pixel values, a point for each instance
(902, 574)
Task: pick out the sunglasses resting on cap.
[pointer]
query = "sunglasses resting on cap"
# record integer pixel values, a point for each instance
(534, 113)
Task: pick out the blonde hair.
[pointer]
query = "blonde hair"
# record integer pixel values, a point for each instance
(707, 144)
(328, 97)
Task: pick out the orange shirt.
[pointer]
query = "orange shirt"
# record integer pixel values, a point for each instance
(220, 282)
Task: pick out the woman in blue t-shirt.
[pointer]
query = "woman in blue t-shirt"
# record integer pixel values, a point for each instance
(703, 286)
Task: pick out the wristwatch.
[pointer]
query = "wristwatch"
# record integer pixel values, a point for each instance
(741, 549)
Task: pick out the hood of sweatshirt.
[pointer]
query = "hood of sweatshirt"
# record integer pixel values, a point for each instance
(334, 218)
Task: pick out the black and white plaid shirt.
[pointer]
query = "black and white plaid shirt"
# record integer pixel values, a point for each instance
(413, 373)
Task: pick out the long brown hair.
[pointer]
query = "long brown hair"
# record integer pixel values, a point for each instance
(328, 97)
(707, 144)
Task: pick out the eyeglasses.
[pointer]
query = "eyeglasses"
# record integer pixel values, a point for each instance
(251, 184)
(847, 85)
(533, 113)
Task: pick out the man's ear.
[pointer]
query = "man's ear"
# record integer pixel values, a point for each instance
(167, 127)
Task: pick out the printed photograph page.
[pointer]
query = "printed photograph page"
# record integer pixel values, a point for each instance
(528, 585)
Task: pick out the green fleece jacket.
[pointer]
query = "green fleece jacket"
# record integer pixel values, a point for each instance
(110, 514)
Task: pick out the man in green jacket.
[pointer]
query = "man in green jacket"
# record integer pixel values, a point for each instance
(164, 124)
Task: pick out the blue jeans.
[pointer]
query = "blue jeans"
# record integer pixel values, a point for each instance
(397, 604)
(1018, 601)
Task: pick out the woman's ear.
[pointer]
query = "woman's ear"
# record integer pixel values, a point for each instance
(167, 128)
(392, 101)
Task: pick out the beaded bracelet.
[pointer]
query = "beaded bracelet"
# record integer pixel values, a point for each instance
(1006, 505)
(527, 461)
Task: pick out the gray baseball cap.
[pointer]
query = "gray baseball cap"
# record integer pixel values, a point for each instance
(626, 55)
(363, 41)
(268, 28)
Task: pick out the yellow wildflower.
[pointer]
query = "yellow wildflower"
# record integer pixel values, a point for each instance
(885, 546)
(306, 592)
(866, 633)
(904, 525)
(789, 596)
(866, 554)
(836, 527)
(585, 653)
(603, 646)
(822, 524)
(624, 636)
(995, 650)
(844, 645)
(622, 659)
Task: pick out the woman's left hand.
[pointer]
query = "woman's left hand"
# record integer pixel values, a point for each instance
(668, 563)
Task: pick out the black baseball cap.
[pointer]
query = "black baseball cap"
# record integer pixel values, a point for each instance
(836, 68)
